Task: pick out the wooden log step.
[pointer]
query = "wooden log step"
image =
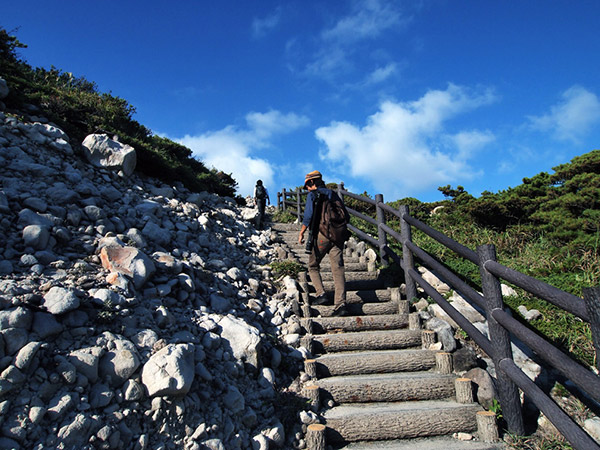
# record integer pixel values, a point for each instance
(351, 276)
(357, 285)
(381, 361)
(303, 259)
(357, 309)
(389, 387)
(430, 443)
(368, 296)
(349, 267)
(357, 323)
(403, 420)
(374, 295)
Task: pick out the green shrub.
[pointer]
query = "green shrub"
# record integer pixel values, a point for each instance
(287, 268)
(283, 216)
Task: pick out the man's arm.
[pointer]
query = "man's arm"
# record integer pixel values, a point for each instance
(308, 212)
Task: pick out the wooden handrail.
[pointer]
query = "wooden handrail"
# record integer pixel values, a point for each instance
(569, 302)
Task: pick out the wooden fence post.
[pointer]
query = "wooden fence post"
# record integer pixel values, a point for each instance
(381, 235)
(500, 339)
(279, 200)
(315, 437)
(407, 256)
(283, 194)
(591, 296)
(298, 204)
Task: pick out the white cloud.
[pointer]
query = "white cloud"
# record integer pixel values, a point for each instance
(261, 26)
(381, 74)
(367, 20)
(468, 142)
(232, 149)
(265, 125)
(339, 51)
(571, 118)
(395, 150)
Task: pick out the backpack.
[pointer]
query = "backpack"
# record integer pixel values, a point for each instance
(334, 219)
(260, 192)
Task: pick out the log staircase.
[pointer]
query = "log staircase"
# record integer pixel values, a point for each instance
(373, 377)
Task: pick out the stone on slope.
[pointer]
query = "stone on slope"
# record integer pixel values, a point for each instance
(128, 261)
(243, 339)
(170, 371)
(102, 151)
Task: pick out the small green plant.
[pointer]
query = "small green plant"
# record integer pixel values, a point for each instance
(462, 334)
(107, 314)
(282, 216)
(496, 408)
(287, 267)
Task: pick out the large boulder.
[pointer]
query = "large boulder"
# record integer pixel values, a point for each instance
(170, 371)
(128, 261)
(243, 339)
(102, 151)
(59, 300)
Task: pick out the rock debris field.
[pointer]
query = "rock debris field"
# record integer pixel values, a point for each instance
(133, 314)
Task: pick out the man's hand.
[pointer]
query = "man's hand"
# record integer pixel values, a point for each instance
(301, 235)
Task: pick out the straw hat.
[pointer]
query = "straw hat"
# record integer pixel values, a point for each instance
(315, 174)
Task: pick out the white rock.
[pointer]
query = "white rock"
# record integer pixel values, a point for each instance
(170, 371)
(592, 426)
(59, 300)
(243, 339)
(434, 281)
(104, 152)
(507, 291)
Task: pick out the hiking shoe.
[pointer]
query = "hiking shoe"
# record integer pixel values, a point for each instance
(320, 300)
(339, 311)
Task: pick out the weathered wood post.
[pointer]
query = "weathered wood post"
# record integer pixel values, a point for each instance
(340, 188)
(407, 256)
(464, 390)
(298, 204)
(381, 235)
(591, 296)
(487, 427)
(279, 200)
(315, 437)
(283, 194)
(311, 392)
(508, 391)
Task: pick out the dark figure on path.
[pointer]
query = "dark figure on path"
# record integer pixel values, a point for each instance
(261, 197)
(322, 245)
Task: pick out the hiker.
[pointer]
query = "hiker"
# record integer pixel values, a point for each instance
(261, 196)
(321, 245)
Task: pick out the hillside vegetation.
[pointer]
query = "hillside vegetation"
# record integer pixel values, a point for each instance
(548, 228)
(78, 108)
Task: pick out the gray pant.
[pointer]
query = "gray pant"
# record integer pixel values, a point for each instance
(321, 247)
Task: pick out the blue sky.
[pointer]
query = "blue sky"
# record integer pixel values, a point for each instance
(391, 97)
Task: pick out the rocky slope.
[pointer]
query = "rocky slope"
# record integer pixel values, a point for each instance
(132, 314)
